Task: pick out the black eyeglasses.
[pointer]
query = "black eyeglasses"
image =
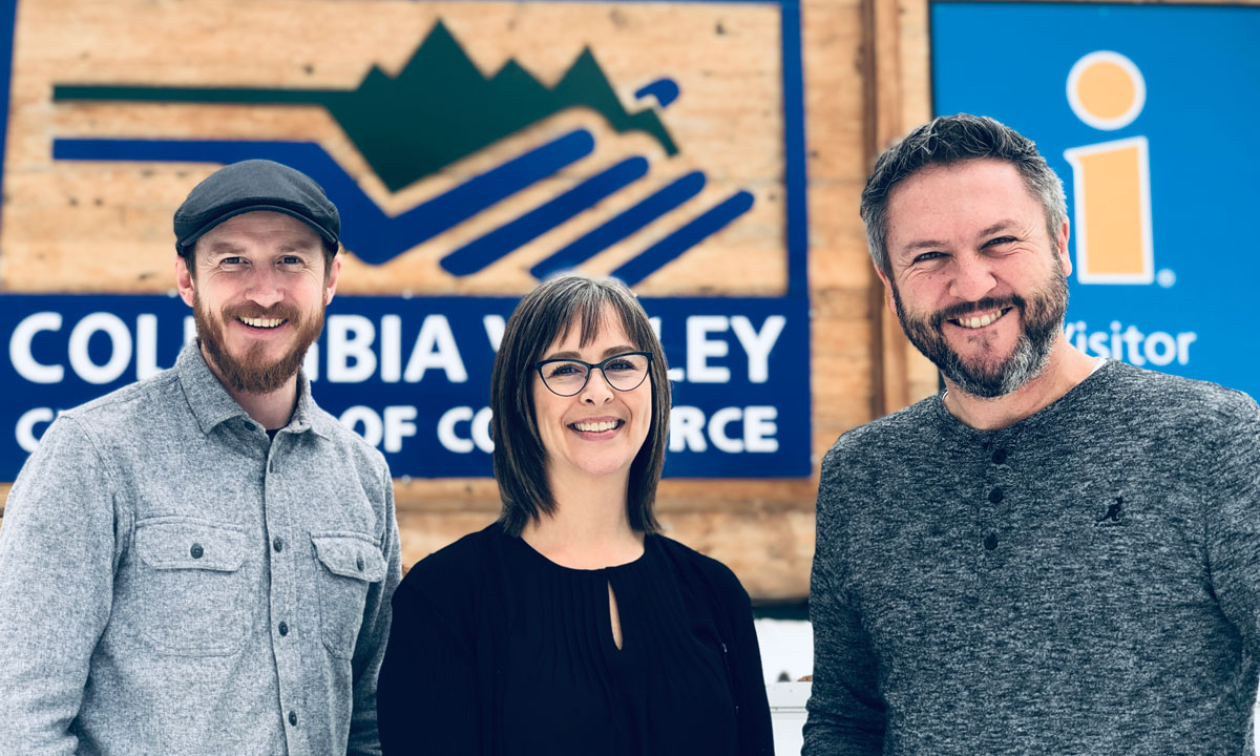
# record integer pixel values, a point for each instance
(567, 377)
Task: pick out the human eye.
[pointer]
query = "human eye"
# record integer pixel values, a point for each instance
(232, 262)
(625, 363)
(1000, 242)
(564, 369)
(927, 257)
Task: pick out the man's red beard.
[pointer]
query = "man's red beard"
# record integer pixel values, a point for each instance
(253, 373)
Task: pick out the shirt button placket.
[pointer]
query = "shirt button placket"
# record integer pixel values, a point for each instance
(282, 565)
(992, 513)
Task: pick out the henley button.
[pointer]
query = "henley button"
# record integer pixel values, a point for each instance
(995, 495)
(293, 718)
(284, 629)
(277, 543)
(999, 457)
(196, 551)
(990, 542)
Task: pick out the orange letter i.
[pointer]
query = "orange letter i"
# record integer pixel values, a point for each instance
(1112, 194)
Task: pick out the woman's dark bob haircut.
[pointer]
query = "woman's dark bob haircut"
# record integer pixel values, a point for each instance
(546, 314)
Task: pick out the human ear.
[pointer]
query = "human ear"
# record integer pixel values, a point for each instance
(184, 280)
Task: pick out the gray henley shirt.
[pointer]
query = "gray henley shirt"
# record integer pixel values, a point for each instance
(172, 581)
(1086, 581)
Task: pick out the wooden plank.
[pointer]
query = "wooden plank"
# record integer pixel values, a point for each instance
(882, 64)
(894, 58)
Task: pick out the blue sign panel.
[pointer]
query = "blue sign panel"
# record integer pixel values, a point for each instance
(456, 175)
(412, 375)
(1146, 112)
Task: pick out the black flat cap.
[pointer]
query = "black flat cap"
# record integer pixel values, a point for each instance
(255, 185)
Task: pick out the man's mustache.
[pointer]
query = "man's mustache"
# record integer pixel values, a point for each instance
(281, 311)
(963, 309)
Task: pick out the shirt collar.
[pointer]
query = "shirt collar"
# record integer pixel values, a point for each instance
(211, 404)
(306, 416)
(1096, 381)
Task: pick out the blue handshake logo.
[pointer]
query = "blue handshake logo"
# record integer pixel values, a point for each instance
(437, 110)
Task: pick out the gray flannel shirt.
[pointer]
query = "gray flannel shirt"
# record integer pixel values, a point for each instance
(174, 582)
(1086, 581)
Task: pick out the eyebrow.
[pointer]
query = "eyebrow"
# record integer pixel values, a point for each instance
(609, 352)
(924, 244)
(999, 226)
(228, 248)
(224, 247)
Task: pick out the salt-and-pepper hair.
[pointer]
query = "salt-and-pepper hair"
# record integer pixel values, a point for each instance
(953, 139)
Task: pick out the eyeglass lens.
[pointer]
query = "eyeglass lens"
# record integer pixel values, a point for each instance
(568, 377)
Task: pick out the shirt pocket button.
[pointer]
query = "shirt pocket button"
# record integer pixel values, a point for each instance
(186, 590)
(348, 564)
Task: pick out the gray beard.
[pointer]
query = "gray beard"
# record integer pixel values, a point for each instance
(1043, 317)
(1027, 361)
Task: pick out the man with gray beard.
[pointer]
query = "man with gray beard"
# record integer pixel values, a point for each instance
(1057, 554)
(203, 562)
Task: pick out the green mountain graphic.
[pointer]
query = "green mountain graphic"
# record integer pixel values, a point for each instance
(437, 110)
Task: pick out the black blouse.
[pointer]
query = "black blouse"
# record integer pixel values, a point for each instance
(496, 650)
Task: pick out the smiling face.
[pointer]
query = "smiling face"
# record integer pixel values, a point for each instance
(598, 431)
(258, 297)
(978, 285)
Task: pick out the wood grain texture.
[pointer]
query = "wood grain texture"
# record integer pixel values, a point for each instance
(53, 225)
(107, 226)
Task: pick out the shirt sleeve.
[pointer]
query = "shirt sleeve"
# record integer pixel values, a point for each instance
(1231, 494)
(369, 652)
(845, 709)
(756, 734)
(427, 699)
(58, 553)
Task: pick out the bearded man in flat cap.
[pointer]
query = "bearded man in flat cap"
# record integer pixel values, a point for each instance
(202, 562)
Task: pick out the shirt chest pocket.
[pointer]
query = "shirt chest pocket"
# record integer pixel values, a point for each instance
(191, 595)
(349, 564)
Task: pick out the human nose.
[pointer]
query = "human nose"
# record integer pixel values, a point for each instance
(973, 280)
(264, 287)
(597, 391)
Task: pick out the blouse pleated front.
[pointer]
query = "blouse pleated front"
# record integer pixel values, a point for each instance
(572, 691)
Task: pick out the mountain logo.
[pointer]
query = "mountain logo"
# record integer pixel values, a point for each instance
(437, 110)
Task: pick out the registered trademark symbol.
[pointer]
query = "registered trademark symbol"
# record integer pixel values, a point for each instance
(1166, 278)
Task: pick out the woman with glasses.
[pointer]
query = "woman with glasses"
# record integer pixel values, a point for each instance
(570, 625)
